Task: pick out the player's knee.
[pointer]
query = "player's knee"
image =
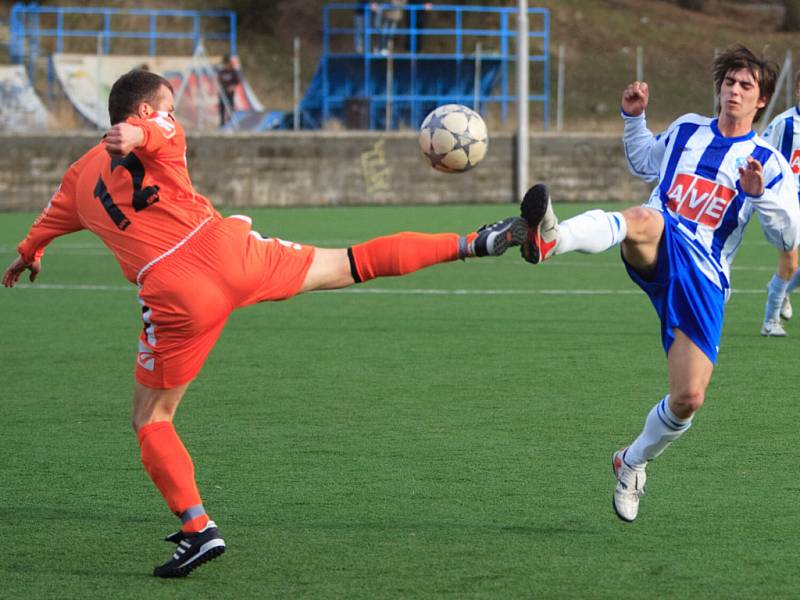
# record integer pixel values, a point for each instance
(643, 223)
(687, 402)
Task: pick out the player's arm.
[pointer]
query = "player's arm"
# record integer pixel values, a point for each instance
(59, 217)
(773, 134)
(643, 150)
(772, 189)
(149, 136)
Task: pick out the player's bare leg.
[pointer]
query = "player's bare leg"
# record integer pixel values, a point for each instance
(640, 246)
(170, 467)
(152, 404)
(689, 375)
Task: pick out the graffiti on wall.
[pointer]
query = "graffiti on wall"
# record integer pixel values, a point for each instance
(20, 107)
(87, 79)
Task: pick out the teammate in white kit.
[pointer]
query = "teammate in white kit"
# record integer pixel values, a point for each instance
(783, 133)
(712, 175)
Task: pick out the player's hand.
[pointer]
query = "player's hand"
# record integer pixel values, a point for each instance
(123, 138)
(751, 178)
(635, 98)
(17, 268)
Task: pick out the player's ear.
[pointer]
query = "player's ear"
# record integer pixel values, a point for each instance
(144, 110)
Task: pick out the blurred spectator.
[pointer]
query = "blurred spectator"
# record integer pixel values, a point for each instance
(229, 80)
(388, 20)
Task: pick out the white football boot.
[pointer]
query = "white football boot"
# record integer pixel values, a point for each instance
(537, 210)
(630, 487)
(773, 329)
(786, 308)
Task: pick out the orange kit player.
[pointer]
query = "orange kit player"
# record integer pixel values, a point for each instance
(192, 268)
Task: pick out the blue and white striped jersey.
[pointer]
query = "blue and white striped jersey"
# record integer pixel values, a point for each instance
(784, 133)
(697, 170)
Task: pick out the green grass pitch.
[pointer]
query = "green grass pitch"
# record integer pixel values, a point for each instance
(443, 435)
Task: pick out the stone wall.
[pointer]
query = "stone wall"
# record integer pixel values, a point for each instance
(312, 168)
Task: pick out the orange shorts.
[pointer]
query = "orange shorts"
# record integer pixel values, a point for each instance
(186, 297)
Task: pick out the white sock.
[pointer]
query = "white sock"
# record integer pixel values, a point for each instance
(777, 289)
(793, 282)
(592, 232)
(661, 428)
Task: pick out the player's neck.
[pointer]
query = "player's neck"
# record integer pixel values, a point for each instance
(731, 127)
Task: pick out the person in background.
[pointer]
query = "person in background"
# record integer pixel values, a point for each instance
(229, 80)
(388, 21)
(783, 132)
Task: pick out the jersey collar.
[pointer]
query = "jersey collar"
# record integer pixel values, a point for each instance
(747, 136)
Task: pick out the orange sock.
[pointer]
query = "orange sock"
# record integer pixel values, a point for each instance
(169, 465)
(404, 253)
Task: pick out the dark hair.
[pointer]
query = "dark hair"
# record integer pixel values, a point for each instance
(796, 81)
(132, 88)
(738, 57)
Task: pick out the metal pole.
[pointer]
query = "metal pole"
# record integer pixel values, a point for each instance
(476, 102)
(560, 90)
(714, 108)
(98, 82)
(296, 120)
(389, 83)
(522, 99)
(639, 63)
(789, 80)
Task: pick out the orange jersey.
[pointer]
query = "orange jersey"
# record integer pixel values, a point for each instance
(142, 206)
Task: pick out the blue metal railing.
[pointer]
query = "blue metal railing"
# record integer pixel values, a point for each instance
(413, 33)
(25, 25)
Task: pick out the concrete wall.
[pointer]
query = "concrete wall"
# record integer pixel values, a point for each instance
(309, 168)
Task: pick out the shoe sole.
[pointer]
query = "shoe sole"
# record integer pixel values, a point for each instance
(515, 235)
(616, 512)
(765, 333)
(217, 549)
(533, 209)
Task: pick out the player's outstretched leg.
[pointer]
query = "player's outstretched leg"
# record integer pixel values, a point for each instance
(193, 550)
(537, 210)
(590, 232)
(404, 253)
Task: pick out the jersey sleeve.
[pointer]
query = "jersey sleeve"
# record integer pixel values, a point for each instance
(778, 208)
(773, 134)
(58, 218)
(160, 136)
(643, 150)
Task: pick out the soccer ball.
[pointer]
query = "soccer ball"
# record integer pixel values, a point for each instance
(453, 138)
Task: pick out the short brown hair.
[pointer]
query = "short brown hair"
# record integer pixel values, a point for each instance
(738, 57)
(132, 88)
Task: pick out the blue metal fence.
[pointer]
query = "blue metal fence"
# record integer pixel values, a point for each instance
(366, 36)
(27, 32)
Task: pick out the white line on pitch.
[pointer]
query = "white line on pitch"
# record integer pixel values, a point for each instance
(388, 291)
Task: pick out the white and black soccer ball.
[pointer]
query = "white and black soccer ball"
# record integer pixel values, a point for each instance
(453, 138)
